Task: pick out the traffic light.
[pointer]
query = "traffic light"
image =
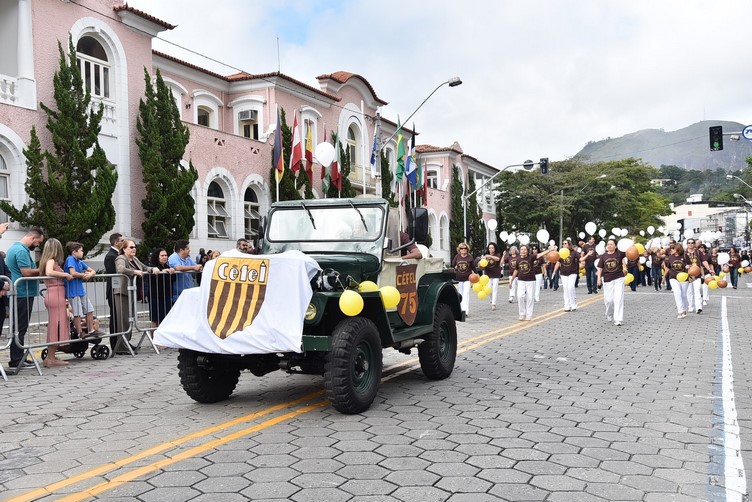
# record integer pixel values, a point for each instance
(544, 165)
(716, 138)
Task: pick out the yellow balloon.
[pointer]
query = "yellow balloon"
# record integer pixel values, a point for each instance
(682, 276)
(481, 295)
(722, 275)
(564, 253)
(484, 279)
(582, 274)
(628, 278)
(713, 285)
(640, 247)
(483, 263)
(368, 286)
(351, 303)
(741, 270)
(716, 278)
(477, 287)
(487, 290)
(390, 296)
(642, 268)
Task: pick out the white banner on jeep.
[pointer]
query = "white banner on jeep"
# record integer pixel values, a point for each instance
(246, 304)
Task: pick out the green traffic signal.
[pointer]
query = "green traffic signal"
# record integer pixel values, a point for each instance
(716, 138)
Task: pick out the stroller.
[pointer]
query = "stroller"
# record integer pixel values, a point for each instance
(79, 343)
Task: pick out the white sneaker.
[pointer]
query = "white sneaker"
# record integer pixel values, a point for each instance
(511, 299)
(617, 323)
(609, 318)
(522, 318)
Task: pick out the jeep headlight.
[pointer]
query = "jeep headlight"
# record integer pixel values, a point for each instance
(310, 312)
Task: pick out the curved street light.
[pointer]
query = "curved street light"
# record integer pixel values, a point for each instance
(730, 177)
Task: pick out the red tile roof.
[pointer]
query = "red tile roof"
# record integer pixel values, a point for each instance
(144, 15)
(344, 76)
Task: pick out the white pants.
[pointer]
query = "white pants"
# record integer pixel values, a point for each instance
(680, 295)
(694, 295)
(513, 288)
(705, 292)
(538, 286)
(464, 289)
(494, 283)
(526, 298)
(567, 284)
(613, 298)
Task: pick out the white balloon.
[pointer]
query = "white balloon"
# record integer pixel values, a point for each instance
(616, 231)
(649, 263)
(600, 248)
(677, 234)
(503, 235)
(642, 233)
(624, 244)
(492, 224)
(524, 240)
(581, 235)
(642, 259)
(624, 232)
(661, 229)
(325, 153)
(651, 229)
(542, 235)
(602, 232)
(677, 225)
(745, 263)
(590, 227)
(597, 261)
(723, 258)
(511, 238)
(689, 233)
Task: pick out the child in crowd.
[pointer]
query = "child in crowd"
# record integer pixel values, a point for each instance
(74, 289)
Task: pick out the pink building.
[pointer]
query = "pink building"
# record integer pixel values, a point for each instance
(231, 119)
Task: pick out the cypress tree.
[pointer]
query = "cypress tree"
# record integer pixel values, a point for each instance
(70, 190)
(169, 207)
(456, 232)
(287, 185)
(386, 180)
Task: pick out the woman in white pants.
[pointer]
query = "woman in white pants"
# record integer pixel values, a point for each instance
(463, 267)
(525, 275)
(538, 264)
(612, 267)
(674, 265)
(569, 268)
(492, 270)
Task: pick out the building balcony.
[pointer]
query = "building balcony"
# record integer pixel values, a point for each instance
(356, 179)
(8, 90)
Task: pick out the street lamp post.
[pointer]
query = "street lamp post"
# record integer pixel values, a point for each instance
(730, 177)
(747, 204)
(561, 206)
(527, 165)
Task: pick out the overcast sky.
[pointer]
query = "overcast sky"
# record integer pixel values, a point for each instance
(540, 78)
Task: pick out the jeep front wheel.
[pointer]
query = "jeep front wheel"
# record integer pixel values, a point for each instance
(352, 371)
(202, 382)
(438, 351)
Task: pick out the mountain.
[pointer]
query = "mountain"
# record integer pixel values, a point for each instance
(688, 148)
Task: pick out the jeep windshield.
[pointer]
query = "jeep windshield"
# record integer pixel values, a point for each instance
(311, 227)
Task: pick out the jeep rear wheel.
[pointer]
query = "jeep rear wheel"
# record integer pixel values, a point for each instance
(438, 351)
(203, 383)
(352, 372)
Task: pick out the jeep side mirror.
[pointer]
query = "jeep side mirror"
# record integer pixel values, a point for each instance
(419, 222)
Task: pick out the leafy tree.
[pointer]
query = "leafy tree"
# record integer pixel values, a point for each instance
(386, 180)
(169, 208)
(70, 190)
(456, 221)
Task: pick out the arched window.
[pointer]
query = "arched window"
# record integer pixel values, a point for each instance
(218, 217)
(444, 232)
(94, 66)
(203, 116)
(4, 187)
(251, 214)
(353, 145)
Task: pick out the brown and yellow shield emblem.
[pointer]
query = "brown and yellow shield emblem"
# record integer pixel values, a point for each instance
(407, 285)
(237, 291)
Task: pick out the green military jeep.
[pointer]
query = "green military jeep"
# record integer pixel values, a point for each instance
(356, 243)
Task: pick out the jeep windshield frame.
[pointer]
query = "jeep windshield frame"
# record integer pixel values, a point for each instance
(342, 226)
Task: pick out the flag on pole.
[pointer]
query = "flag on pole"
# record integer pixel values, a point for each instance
(400, 153)
(375, 161)
(297, 149)
(424, 183)
(309, 151)
(278, 156)
(411, 167)
(336, 175)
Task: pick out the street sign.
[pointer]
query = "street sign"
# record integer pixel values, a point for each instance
(747, 132)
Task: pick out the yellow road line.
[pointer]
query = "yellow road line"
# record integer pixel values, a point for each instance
(407, 366)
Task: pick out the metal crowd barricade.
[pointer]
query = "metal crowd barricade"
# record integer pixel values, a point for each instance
(3, 305)
(153, 299)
